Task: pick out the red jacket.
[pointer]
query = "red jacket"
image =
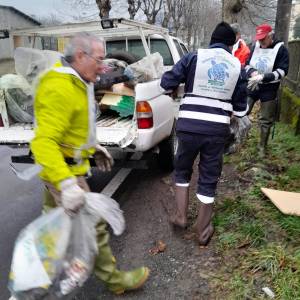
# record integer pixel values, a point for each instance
(241, 51)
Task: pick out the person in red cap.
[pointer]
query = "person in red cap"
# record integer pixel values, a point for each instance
(240, 49)
(267, 64)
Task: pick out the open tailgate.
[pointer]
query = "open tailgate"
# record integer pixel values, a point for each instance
(116, 131)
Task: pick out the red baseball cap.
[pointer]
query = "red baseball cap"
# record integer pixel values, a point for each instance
(262, 31)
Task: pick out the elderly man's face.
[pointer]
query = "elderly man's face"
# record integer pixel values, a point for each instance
(266, 42)
(89, 65)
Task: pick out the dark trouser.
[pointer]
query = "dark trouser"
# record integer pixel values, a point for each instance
(266, 118)
(211, 150)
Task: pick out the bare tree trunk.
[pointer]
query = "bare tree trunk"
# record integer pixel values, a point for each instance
(230, 10)
(133, 7)
(167, 17)
(151, 9)
(176, 10)
(195, 38)
(104, 8)
(189, 36)
(283, 16)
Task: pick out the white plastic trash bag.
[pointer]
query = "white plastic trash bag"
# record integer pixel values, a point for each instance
(30, 63)
(100, 206)
(148, 68)
(18, 97)
(54, 255)
(239, 129)
(13, 81)
(39, 249)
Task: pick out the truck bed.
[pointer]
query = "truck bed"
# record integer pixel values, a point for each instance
(16, 134)
(110, 131)
(116, 131)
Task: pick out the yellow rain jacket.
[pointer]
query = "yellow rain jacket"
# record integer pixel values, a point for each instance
(65, 124)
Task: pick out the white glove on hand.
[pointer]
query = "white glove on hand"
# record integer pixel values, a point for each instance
(254, 81)
(72, 196)
(103, 159)
(255, 73)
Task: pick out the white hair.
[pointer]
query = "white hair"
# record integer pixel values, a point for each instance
(82, 41)
(236, 28)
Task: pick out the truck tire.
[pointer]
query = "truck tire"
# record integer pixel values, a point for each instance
(123, 55)
(167, 152)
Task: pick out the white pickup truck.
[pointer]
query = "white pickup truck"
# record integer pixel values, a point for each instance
(151, 126)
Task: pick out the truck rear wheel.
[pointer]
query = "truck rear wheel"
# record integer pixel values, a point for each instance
(167, 152)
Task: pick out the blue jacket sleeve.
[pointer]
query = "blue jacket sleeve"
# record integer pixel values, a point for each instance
(172, 79)
(239, 96)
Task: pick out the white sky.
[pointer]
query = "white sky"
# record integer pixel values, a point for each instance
(34, 7)
(42, 8)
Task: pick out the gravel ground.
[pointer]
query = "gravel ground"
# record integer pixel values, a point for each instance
(180, 271)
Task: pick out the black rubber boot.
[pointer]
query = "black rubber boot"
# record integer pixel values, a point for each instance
(264, 137)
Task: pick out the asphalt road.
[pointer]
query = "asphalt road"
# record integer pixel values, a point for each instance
(20, 203)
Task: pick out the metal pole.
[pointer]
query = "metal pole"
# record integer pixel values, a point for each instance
(147, 50)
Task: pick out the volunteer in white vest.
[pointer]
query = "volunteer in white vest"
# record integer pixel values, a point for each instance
(268, 63)
(214, 91)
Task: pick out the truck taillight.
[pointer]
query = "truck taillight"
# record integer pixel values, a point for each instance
(144, 115)
(1, 121)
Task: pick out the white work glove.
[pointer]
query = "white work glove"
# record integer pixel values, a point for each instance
(254, 73)
(254, 81)
(103, 159)
(72, 196)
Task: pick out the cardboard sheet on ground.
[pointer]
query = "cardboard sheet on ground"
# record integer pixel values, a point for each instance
(286, 202)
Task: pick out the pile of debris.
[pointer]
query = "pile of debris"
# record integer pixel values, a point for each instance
(16, 90)
(115, 88)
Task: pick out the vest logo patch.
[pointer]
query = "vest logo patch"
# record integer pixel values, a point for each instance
(217, 73)
(262, 64)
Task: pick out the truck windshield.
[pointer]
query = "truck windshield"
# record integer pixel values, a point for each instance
(135, 47)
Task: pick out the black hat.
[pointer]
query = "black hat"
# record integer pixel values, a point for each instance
(224, 34)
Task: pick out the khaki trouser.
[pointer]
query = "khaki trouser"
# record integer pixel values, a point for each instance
(105, 264)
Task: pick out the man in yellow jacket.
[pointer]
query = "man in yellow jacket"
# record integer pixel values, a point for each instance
(65, 137)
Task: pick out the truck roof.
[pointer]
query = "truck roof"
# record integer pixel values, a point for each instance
(120, 27)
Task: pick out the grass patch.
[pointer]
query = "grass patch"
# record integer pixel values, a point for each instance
(241, 287)
(280, 269)
(254, 232)
(291, 224)
(293, 172)
(258, 243)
